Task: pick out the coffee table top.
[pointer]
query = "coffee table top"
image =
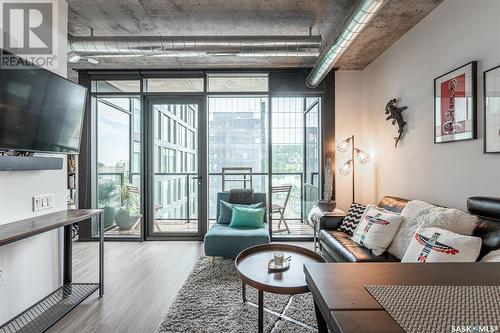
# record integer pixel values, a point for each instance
(251, 265)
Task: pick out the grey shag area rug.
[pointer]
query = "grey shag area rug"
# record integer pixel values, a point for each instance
(211, 301)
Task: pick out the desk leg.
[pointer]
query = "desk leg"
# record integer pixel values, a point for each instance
(101, 255)
(68, 254)
(244, 292)
(67, 260)
(322, 328)
(261, 311)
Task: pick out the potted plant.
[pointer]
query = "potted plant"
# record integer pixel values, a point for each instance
(107, 196)
(129, 212)
(328, 204)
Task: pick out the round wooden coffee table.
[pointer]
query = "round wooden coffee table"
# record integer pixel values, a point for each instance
(251, 265)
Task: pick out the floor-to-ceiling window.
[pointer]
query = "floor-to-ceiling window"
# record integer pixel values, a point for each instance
(118, 138)
(153, 123)
(237, 137)
(291, 158)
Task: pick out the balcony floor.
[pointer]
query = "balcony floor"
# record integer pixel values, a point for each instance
(180, 226)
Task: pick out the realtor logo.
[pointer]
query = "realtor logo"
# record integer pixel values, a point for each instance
(28, 28)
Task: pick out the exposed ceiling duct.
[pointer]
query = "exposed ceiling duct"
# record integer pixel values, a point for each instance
(358, 21)
(143, 46)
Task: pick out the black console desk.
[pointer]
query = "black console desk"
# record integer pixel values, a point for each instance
(45, 313)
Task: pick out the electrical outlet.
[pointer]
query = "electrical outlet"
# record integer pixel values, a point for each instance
(42, 202)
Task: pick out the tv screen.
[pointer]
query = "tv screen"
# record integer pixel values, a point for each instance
(40, 111)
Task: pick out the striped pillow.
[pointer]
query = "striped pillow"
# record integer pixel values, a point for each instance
(352, 219)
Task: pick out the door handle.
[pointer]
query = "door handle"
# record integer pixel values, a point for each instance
(198, 177)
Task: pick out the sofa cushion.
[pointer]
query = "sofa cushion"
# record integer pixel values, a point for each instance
(226, 210)
(440, 245)
(352, 219)
(224, 241)
(493, 256)
(422, 214)
(246, 217)
(377, 229)
(337, 246)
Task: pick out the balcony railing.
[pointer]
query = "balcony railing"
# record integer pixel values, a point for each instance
(294, 209)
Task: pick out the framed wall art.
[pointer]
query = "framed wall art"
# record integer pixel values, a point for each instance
(455, 105)
(491, 79)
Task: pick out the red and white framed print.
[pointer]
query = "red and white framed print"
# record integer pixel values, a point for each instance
(455, 105)
(491, 86)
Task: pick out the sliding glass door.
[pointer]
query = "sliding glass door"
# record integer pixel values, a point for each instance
(295, 160)
(175, 180)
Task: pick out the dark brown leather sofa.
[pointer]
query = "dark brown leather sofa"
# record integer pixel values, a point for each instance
(337, 246)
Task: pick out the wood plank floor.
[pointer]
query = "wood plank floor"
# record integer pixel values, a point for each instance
(141, 282)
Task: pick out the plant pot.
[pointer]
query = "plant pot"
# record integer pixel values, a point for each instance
(124, 220)
(327, 206)
(108, 216)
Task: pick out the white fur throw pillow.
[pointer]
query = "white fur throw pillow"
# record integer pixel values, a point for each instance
(439, 245)
(412, 213)
(376, 229)
(422, 214)
(493, 256)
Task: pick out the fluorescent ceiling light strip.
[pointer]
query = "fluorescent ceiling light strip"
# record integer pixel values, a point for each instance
(363, 15)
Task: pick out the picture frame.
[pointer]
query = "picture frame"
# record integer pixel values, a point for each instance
(455, 105)
(491, 108)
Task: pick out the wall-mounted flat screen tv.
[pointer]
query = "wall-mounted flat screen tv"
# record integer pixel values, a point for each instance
(40, 111)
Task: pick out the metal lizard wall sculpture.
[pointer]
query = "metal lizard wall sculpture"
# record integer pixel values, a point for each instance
(396, 114)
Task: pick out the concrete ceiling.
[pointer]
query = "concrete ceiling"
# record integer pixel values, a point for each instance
(241, 18)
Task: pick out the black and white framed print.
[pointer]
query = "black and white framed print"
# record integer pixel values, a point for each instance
(492, 110)
(455, 105)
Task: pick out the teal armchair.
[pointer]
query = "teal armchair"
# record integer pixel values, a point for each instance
(223, 241)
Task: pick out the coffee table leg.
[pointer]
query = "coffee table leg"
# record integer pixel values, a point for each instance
(244, 292)
(261, 311)
(322, 328)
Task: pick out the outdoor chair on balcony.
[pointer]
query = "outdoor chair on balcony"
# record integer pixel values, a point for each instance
(280, 208)
(224, 241)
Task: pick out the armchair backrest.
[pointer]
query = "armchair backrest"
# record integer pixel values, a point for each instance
(258, 197)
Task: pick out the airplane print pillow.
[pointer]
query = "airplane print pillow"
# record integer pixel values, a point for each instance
(439, 245)
(377, 229)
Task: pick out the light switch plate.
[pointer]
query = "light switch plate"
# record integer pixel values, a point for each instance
(43, 202)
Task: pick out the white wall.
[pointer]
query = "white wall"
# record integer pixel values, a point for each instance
(455, 33)
(32, 267)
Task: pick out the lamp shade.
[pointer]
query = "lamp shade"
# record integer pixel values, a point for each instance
(344, 145)
(345, 169)
(362, 156)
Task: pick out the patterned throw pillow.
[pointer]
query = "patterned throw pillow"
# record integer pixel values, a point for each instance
(377, 229)
(352, 219)
(439, 245)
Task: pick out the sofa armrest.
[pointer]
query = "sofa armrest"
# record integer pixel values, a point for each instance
(330, 222)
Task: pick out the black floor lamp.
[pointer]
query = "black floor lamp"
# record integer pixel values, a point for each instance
(349, 166)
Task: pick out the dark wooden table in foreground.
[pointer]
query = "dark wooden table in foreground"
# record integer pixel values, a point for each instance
(346, 306)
